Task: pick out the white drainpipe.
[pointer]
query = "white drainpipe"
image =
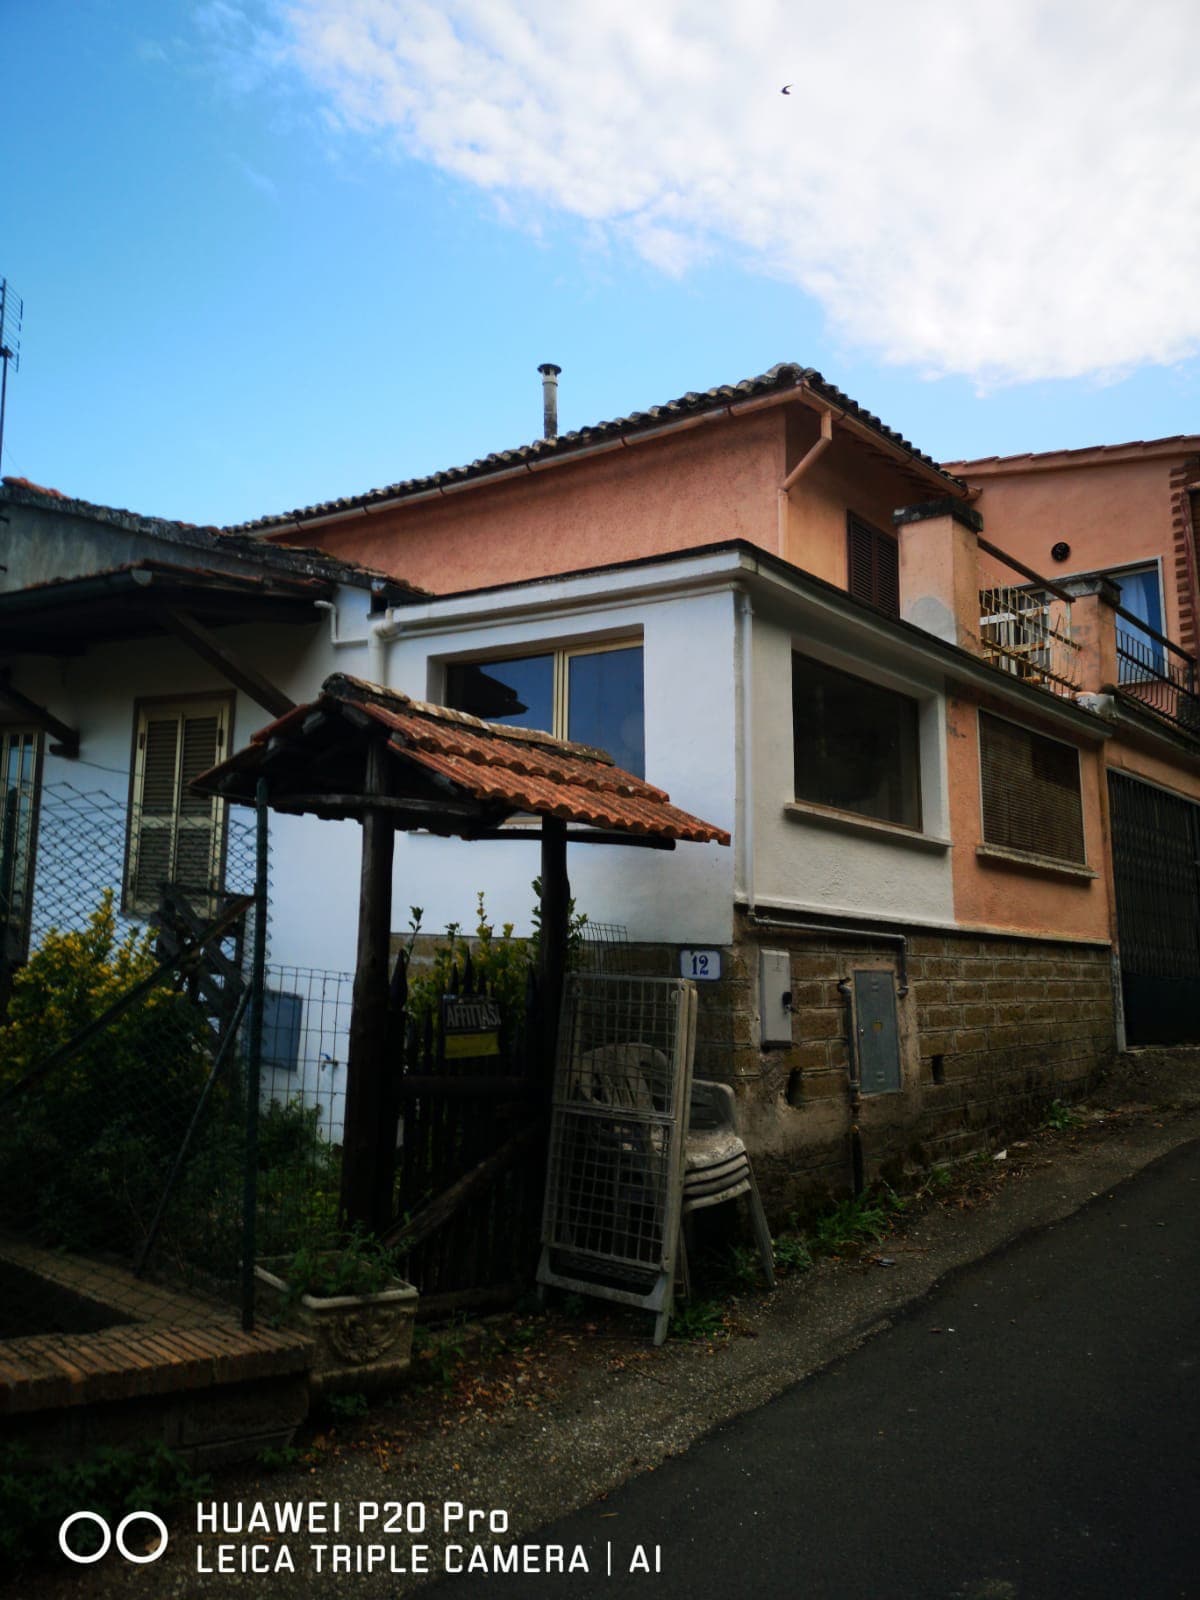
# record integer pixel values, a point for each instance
(745, 616)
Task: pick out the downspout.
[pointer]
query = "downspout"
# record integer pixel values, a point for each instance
(745, 617)
(378, 636)
(855, 1087)
(817, 448)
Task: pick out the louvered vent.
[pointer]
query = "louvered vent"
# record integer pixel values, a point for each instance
(872, 565)
(1031, 792)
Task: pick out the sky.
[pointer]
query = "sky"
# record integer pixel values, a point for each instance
(271, 252)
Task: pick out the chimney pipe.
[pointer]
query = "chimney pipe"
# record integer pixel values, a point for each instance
(549, 374)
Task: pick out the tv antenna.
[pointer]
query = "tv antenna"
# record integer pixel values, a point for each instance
(11, 309)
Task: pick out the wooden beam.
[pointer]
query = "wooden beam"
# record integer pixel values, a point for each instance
(240, 673)
(68, 737)
(407, 1235)
(423, 811)
(368, 1143)
(635, 841)
(552, 944)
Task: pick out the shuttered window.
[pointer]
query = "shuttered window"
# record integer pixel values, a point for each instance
(1031, 791)
(175, 836)
(20, 782)
(872, 565)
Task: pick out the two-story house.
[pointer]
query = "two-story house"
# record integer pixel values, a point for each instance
(801, 626)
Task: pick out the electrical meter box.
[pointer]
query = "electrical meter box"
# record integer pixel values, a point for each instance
(775, 997)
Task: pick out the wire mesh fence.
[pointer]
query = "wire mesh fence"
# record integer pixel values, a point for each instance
(124, 1100)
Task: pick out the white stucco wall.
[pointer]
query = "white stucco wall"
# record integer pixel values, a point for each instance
(314, 864)
(818, 864)
(684, 895)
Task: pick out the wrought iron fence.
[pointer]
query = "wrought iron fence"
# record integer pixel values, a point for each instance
(1157, 675)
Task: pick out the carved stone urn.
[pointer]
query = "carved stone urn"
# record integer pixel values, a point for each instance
(361, 1342)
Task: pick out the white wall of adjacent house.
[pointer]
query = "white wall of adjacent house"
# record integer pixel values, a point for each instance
(687, 636)
(815, 858)
(314, 865)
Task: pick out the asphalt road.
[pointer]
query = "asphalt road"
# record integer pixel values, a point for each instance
(1030, 1431)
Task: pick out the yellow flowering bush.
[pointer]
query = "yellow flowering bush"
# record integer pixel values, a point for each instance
(85, 1149)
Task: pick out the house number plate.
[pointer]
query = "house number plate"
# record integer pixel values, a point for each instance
(702, 965)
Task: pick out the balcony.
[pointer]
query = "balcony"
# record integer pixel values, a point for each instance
(1026, 630)
(1156, 674)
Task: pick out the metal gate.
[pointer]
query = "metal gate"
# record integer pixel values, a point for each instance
(1156, 872)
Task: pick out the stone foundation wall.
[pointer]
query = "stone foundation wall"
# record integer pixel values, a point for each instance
(992, 1029)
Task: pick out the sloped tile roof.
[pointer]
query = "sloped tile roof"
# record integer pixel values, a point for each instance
(509, 769)
(785, 375)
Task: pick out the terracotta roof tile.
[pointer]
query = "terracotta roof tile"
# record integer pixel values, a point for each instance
(517, 769)
(783, 376)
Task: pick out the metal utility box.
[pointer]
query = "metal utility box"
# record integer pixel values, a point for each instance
(775, 997)
(876, 1035)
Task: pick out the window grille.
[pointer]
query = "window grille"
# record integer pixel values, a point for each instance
(1031, 791)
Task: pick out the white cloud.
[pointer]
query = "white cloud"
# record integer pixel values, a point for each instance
(1008, 189)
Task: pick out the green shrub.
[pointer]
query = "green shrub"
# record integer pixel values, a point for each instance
(35, 1496)
(86, 1149)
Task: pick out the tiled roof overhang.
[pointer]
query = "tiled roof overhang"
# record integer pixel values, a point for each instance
(281, 561)
(68, 615)
(786, 380)
(452, 773)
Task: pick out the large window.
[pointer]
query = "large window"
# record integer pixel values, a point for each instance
(176, 836)
(1141, 655)
(20, 776)
(857, 745)
(593, 696)
(1031, 793)
(872, 565)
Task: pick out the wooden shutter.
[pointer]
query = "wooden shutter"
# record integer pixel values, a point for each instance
(872, 565)
(1031, 794)
(175, 835)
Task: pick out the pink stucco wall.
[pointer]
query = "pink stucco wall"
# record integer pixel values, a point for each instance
(1112, 510)
(701, 486)
(706, 483)
(999, 895)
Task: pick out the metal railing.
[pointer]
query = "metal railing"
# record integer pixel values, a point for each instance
(1027, 632)
(1155, 673)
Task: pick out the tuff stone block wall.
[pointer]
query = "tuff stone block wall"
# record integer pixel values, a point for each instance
(992, 1029)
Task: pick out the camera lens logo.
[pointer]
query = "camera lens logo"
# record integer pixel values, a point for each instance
(107, 1537)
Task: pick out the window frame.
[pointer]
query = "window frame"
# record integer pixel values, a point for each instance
(919, 756)
(225, 706)
(1080, 865)
(561, 655)
(14, 951)
(888, 605)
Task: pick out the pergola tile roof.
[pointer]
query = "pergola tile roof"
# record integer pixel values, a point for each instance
(507, 770)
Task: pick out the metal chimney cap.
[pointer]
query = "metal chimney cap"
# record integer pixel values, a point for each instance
(548, 369)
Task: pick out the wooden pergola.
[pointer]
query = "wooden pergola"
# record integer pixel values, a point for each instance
(394, 763)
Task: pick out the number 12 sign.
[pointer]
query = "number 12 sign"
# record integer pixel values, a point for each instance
(702, 965)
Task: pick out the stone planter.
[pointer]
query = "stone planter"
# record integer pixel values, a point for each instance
(361, 1341)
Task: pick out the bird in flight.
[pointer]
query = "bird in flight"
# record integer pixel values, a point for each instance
(787, 89)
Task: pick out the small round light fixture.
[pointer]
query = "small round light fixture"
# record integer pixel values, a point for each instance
(1061, 550)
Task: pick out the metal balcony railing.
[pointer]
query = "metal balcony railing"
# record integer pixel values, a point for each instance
(1156, 674)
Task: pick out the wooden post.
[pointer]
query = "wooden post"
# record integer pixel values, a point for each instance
(556, 895)
(366, 1193)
